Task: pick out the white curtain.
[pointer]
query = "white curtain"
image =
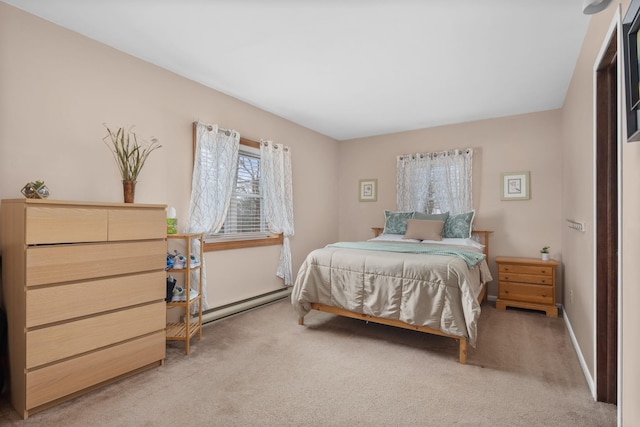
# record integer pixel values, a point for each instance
(275, 164)
(214, 172)
(452, 179)
(430, 182)
(413, 174)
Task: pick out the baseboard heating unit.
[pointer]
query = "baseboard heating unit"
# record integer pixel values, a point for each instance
(232, 309)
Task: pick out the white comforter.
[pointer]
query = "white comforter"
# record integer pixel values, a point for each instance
(436, 291)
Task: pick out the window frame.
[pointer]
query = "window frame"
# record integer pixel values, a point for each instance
(269, 240)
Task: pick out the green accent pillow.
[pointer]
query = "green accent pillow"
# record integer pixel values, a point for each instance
(458, 226)
(431, 217)
(396, 222)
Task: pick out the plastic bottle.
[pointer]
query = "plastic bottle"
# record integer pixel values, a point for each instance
(172, 221)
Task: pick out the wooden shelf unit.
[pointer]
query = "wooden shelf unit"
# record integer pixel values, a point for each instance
(184, 331)
(83, 288)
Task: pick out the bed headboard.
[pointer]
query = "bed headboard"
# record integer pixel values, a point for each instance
(482, 236)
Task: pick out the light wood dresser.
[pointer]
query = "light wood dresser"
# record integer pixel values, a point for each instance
(83, 285)
(527, 283)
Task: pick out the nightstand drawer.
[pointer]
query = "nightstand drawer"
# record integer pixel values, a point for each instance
(525, 269)
(525, 278)
(526, 292)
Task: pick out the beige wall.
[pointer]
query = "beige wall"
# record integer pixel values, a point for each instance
(630, 285)
(57, 88)
(529, 142)
(578, 201)
(578, 189)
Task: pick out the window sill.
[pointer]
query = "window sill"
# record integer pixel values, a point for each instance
(274, 239)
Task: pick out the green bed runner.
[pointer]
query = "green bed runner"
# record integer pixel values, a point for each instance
(470, 257)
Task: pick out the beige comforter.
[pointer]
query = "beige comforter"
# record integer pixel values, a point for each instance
(436, 291)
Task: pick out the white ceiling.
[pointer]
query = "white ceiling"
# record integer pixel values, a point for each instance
(350, 68)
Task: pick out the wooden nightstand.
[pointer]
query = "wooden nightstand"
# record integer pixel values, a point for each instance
(527, 283)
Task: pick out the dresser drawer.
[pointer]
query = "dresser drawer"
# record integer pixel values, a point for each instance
(56, 264)
(57, 342)
(525, 269)
(137, 224)
(65, 224)
(61, 379)
(525, 278)
(526, 292)
(59, 303)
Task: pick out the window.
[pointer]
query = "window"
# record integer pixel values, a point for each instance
(244, 225)
(435, 182)
(447, 187)
(433, 203)
(245, 216)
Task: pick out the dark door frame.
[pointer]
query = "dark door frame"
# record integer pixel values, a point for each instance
(607, 239)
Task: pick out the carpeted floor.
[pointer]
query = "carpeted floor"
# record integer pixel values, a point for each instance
(261, 368)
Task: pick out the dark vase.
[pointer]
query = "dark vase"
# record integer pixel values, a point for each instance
(129, 188)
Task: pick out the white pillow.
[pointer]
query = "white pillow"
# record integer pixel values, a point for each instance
(456, 241)
(444, 241)
(393, 238)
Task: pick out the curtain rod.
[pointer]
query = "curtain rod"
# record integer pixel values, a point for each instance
(225, 131)
(275, 146)
(435, 154)
(210, 128)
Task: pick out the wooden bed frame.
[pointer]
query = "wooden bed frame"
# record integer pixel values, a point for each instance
(483, 238)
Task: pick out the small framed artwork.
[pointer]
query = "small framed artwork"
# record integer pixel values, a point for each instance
(631, 44)
(515, 186)
(368, 190)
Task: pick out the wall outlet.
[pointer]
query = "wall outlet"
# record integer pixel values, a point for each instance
(571, 296)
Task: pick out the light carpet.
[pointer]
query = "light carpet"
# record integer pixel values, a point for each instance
(261, 368)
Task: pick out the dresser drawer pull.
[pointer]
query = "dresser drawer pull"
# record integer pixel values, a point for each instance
(506, 278)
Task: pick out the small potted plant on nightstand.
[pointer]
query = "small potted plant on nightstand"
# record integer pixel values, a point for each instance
(544, 253)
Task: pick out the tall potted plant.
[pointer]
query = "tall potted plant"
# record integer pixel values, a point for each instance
(130, 156)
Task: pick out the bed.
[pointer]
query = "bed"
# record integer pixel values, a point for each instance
(420, 285)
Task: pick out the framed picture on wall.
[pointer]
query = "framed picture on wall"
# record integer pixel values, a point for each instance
(514, 186)
(368, 190)
(631, 44)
